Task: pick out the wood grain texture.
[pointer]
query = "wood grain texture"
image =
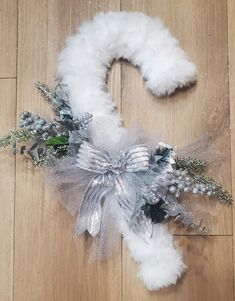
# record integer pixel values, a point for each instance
(7, 166)
(231, 50)
(50, 263)
(8, 37)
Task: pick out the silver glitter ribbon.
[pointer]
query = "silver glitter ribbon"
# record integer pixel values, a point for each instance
(116, 176)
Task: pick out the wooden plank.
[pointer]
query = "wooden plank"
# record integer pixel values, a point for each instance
(231, 51)
(209, 275)
(201, 27)
(50, 263)
(192, 113)
(7, 166)
(8, 37)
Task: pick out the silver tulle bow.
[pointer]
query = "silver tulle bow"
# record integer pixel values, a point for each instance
(115, 179)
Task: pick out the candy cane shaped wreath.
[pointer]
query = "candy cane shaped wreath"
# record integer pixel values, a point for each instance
(83, 64)
(117, 181)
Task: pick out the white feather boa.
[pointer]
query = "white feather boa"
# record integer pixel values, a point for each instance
(83, 64)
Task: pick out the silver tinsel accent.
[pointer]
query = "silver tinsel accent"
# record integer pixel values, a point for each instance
(180, 213)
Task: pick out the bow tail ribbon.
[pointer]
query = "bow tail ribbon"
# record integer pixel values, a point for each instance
(142, 226)
(126, 193)
(90, 213)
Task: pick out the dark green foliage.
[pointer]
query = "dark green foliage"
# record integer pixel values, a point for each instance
(59, 140)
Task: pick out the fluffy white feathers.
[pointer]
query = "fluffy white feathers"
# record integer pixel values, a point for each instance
(142, 40)
(160, 264)
(83, 64)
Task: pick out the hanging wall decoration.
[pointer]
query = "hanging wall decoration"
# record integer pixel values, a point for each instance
(105, 172)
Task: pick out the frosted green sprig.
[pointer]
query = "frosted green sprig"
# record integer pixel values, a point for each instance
(218, 191)
(46, 92)
(14, 137)
(58, 99)
(192, 165)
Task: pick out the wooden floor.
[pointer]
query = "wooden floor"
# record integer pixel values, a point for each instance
(39, 257)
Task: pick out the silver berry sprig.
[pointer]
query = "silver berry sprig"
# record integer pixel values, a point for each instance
(181, 181)
(38, 126)
(83, 122)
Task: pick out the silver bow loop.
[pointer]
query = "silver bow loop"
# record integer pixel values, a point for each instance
(93, 159)
(137, 158)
